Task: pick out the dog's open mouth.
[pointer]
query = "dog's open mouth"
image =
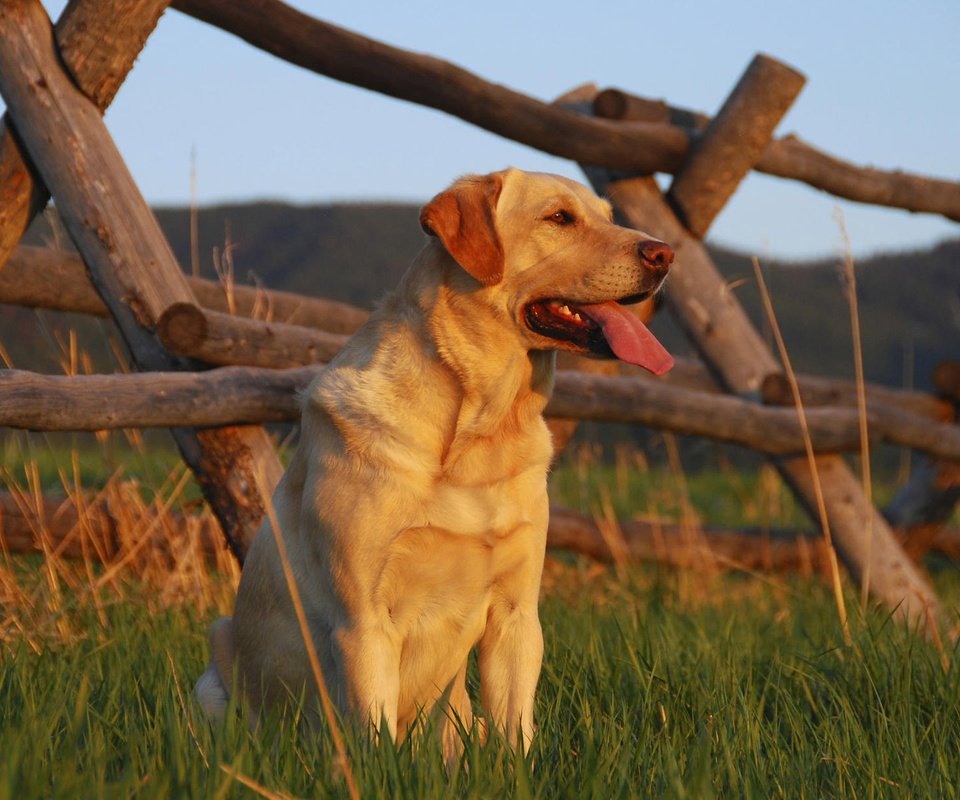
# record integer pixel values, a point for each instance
(604, 329)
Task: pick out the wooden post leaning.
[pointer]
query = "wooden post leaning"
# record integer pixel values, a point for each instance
(129, 260)
(732, 142)
(98, 42)
(715, 321)
(925, 503)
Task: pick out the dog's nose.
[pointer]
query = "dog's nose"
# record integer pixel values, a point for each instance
(655, 255)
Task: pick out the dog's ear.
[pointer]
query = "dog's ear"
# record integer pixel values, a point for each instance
(464, 219)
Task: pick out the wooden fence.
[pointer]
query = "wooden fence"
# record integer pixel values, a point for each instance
(58, 81)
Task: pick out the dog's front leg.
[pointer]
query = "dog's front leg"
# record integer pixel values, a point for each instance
(510, 655)
(371, 667)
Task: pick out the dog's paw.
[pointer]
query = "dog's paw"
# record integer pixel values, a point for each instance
(211, 694)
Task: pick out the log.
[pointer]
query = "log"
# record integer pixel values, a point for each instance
(642, 147)
(794, 159)
(733, 141)
(907, 421)
(946, 379)
(752, 549)
(928, 498)
(648, 402)
(725, 338)
(22, 528)
(238, 395)
(40, 277)
(734, 351)
(129, 260)
(643, 541)
(99, 42)
(218, 338)
(92, 532)
(925, 504)
(815, 391)
(617, 104)
(310, 43)
(676, 546)
(58, 521)
(231, 395)
(690, 373)
(224, 396)
(44, 278)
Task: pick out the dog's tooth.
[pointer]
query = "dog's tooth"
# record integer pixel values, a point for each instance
(565, 309)
(577, 317)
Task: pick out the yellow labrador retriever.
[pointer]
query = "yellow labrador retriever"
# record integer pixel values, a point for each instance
(415, 508)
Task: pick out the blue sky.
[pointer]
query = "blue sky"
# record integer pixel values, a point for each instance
(883, 82)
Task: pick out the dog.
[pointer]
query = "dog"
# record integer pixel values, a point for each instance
(414, 511)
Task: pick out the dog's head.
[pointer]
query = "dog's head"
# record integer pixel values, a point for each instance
(546, 251)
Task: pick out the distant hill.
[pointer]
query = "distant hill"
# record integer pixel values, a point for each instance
(909, 302)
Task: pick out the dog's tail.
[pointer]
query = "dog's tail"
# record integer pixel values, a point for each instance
(212, 690)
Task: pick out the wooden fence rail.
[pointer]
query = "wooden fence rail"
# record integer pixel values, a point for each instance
(168, 327)
(52, 279)
(40, 277)
(90, 532)
(218, 338)
(642, 147)
(236, 395)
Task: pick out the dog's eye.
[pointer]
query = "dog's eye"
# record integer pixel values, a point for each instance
(561, 217)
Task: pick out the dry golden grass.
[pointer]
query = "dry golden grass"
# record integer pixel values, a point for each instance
(114, 547)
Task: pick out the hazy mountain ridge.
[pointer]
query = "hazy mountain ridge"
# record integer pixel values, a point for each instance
(355, 252)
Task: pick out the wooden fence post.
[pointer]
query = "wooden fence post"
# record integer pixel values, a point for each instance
(129, 260)
(98, 42)
(715, 321)
(732, 142)
(925, 503)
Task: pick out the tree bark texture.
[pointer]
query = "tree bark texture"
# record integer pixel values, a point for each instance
(129, 260)
(733, 142)
(40, 277)
(217, 338)
(98, 42)
(237, 395)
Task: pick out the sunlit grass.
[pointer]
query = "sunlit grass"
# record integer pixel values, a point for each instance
(747, 693)
(656, 682)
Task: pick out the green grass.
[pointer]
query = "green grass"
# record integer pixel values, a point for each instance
(656, 683)
(90, 460)
(744, 691)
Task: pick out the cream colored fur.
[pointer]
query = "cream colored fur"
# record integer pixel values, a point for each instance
(415, 508)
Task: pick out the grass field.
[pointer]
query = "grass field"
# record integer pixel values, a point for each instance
(656, 683)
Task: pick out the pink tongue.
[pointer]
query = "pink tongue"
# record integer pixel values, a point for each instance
(629, 338)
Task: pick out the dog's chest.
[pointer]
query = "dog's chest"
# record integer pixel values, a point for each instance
(491, 511)
(441, 575)
(492, 486)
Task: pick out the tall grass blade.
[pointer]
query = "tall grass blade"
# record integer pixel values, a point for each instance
(811, 457)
